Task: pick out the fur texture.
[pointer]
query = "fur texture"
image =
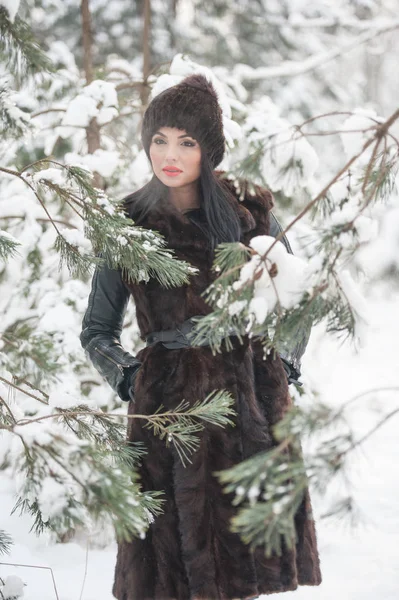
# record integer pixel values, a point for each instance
(192, 105)
(189, 552)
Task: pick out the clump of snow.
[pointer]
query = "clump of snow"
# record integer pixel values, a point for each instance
(381, 254)
(52, 498)
(76, 238)
(12, 6)
(103, 162)
(80, 111)
(259, 308)
(35, 433)
(9, 237)
(105, 203)
(357, 303)
(120, 68)
(236, 307)
(98, 99)
(56, 176)
(286, 287)
(59, 53)
(289, 161)
(20, 117)
(358, 128)
(63, 399)
(13, 587)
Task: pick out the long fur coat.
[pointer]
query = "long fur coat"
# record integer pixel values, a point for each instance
(189, 552)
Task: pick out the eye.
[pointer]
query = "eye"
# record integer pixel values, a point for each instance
(157, 140)
(189, 144)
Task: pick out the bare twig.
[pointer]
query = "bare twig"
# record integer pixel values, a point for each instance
(381, 131)
(34, 567)
(24, 391)
(40, 220)
(294, 68)
(85, 573)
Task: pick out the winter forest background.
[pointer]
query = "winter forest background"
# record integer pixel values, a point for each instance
(309, 94)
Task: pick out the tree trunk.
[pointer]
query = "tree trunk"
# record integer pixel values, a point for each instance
(146, 51)
(93, 129)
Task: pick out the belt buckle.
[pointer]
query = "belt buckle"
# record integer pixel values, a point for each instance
(181, 337)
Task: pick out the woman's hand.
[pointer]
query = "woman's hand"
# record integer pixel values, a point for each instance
(132, 382)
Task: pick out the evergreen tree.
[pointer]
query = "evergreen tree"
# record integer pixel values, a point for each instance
(52, 215)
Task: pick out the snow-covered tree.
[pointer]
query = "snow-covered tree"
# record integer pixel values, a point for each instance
(343, 214)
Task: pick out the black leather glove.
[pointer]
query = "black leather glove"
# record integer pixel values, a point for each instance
(129, 381)
(292, 374)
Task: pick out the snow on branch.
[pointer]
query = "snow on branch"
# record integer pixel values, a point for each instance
(292, 68)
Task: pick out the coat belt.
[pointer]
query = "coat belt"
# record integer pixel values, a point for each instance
(177, 338)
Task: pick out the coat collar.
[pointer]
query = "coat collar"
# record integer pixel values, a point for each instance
(178, 228)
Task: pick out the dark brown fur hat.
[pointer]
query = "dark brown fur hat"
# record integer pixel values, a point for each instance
(192, 105)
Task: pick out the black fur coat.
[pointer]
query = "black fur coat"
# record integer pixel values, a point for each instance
(189, 553)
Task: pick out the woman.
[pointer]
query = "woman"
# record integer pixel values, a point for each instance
(189, 551)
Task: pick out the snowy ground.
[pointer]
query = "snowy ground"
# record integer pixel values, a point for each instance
(356, 565)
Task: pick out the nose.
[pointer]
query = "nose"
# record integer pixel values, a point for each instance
(172, 153)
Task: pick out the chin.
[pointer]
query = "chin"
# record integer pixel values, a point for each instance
(175, 182)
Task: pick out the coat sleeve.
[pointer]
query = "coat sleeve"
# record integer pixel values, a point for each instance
(101, 330)
(292, 353)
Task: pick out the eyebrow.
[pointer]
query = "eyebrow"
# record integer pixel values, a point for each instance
(179, 137)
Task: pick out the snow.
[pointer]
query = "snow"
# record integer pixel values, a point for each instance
(12, 6)
(56, 176)
(63, 399)
(236, 307)
(105, 162)
(282, 148)
(52, 498)
(76, 238)
(357, 302)
(80, 111)
(13, 588)
(98, 99)
(353, 138)
(7, 236)
(36, 433)
(338, 372)
(259, 307)
(382, 253)
(287, 286)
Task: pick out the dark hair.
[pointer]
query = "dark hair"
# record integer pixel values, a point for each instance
(218, 220)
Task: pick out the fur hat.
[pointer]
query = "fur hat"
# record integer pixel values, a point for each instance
(192, 105)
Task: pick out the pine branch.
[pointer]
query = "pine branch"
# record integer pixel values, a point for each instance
(8, 246)
(295, 68)
(180, 426)
(140, 253)
(14, 122)
(5, 542)
(84, 454)
(19, 48)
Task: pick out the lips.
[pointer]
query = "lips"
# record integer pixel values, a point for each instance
(172, 171)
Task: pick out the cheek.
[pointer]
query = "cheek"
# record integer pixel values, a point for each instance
(156, 156)
(196, 162)
(153, 156)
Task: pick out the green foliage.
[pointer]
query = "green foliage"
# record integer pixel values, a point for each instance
(19, 49)
(378, 177)
(29, 352)
(5, 542)
(8, 246)
(181, 426)
(13, 122)
(269, 488)
(78, 466)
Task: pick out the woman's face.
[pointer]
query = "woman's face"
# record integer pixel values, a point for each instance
(175, 157)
